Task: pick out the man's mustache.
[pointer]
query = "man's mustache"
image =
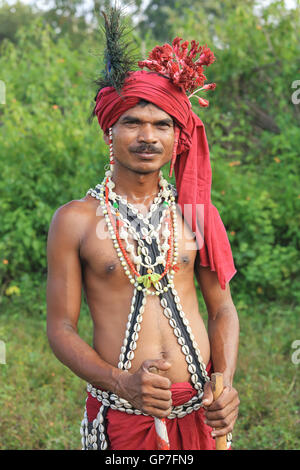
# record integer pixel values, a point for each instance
(145, 148)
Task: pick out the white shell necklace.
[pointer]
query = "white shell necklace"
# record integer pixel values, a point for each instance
(151, 256)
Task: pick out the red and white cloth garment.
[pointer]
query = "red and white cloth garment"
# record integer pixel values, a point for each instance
(137, 432)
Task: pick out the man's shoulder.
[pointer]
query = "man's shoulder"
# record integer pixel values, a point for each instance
(74, 215)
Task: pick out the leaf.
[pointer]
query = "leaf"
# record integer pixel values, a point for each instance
(147, 279)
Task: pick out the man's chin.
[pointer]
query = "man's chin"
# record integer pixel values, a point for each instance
(141, 171)
(147, 169)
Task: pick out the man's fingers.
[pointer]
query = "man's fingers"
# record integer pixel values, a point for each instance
(224, 421)
(158, 412)
(213, 414)
(156, 394)
(159, 364)
(157, 402)
(222, 413)
(223, 427)
(208, 397)
(229, 395)
(160, 404)
(152, 382)
(153, 377)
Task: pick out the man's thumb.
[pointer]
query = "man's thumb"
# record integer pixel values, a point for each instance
(160, 364)
(208, 397)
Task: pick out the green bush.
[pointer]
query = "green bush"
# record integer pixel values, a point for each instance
(253, 133)
(49, 154)
(261, 220)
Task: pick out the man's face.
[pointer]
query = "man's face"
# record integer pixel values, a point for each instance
(143, 139)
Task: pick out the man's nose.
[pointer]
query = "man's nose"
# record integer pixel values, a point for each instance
(147, 134)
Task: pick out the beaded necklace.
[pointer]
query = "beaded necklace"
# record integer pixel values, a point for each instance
(152, 274)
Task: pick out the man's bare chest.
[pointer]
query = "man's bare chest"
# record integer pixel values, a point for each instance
(99, 257)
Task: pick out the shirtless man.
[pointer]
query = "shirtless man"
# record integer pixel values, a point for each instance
(78, 256)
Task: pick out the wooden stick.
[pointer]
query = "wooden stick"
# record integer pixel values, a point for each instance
(217, 387)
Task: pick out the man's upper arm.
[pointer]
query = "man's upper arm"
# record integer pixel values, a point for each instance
(64, 281)
(214, 296)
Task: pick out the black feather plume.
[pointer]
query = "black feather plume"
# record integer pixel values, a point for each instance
(118, 55)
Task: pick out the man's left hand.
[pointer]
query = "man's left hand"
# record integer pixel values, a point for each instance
(222, 413)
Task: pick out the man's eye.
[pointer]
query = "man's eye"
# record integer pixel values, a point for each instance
(164, 126)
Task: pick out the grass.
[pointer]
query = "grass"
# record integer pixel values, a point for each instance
(42, 402)
(267, 379)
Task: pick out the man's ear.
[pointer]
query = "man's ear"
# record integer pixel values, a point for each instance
(106, 138)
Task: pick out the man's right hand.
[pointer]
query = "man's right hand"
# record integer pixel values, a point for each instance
(147, 391)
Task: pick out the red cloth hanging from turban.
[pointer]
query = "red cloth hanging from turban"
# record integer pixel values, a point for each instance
(192, 166)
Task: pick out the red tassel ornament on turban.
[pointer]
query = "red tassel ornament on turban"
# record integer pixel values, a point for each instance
(191, 161)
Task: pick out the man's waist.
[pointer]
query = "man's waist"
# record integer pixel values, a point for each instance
(185, 398)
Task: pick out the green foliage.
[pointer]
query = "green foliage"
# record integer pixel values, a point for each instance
(49, 154)
(67, 18)
(267, 378)
(42, 402)
(253, 133)
(163, 15)
(261, 216)
(14, 16)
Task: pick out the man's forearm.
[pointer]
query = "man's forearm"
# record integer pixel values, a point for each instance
(223, 332)
(82, 359)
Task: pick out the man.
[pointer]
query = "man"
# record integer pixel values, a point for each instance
(129, 262)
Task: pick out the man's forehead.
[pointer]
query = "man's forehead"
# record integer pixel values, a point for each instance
(147, 110)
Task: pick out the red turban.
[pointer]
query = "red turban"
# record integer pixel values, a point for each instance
(192, 168)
